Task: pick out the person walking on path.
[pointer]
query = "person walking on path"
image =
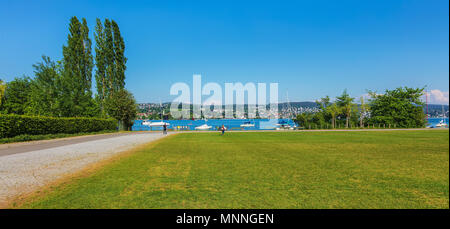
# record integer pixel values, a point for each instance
(223, 129)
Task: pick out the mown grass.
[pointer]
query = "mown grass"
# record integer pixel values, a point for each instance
(395, 169)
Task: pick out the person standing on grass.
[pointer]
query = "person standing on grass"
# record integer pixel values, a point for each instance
(223, 129)
(164, 128)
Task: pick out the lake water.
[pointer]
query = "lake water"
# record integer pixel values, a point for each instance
(230, 124)
(233, 124)
(433, 121)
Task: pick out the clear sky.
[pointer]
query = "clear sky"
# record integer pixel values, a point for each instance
(311, 48)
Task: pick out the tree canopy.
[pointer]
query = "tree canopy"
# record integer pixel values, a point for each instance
(110, 60)
(121, 105)
(64, 88)
(16, 97)
(2, 90)
(401, 107)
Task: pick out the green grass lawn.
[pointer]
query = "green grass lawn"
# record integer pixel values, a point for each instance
(392, 169)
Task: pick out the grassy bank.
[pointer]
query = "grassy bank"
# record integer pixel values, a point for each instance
(25, 138)
(395, 169)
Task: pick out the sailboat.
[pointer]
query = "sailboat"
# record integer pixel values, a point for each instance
(248, 124)
(159, 123)
(442, 123)
(204, 126)
(283, 125)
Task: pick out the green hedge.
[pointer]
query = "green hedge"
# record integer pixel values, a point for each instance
(13, 125)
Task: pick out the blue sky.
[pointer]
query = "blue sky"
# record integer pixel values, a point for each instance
(311, 48)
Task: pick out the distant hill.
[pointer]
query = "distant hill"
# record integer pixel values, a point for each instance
(435, 110)
(280, 105)
(300, 104)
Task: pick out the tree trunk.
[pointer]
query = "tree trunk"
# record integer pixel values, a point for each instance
(361, 124)
(122, 126)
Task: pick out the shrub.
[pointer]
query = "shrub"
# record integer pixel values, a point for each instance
(13, 125)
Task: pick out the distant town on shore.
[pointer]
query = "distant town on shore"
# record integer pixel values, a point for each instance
(153, 110)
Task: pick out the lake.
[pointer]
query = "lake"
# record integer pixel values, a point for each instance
(230, 124)
(433, 121)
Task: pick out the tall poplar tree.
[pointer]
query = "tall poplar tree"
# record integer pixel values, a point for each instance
(119, 57)
(100, 63)
(110, 60)
(109, 55)
(87, 59)
(77, 75)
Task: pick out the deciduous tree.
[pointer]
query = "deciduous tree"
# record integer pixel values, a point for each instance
(122, 106)
(45, 94)
(345, 103)
(402, 107)
(16, 97)
(334, 111)
(2, 90)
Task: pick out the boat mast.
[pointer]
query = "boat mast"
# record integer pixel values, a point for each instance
(161, 112)
(288, 106)
(426, 99)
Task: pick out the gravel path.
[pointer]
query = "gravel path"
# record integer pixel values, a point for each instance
(24, 172)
